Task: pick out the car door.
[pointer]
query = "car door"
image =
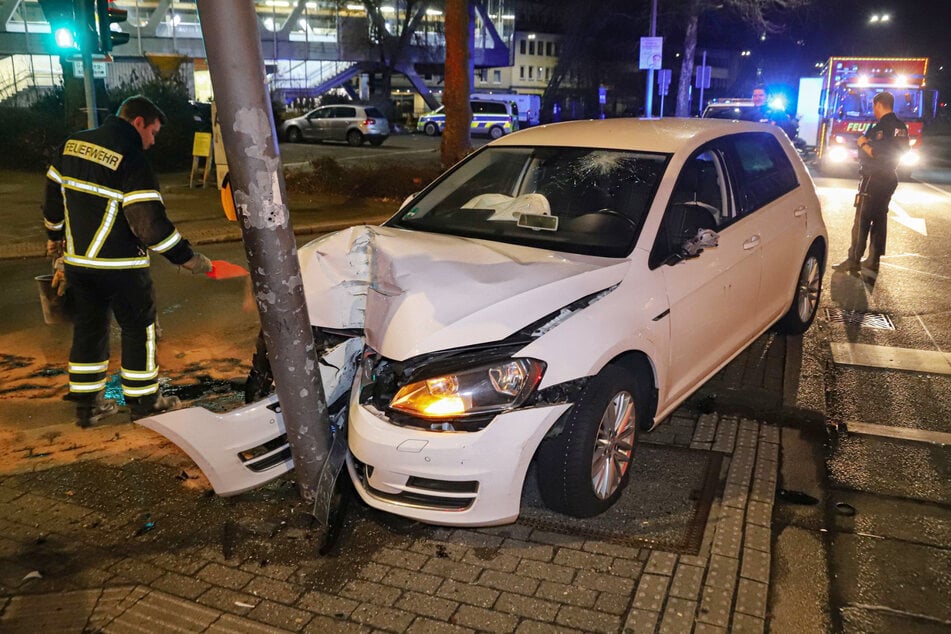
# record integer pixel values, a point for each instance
(343, 116)
(709, 296)
(768, 194)
(316, 122)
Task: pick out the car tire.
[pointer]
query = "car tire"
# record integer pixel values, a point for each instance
(294, 135)
(575, 475)
(496, 132)
(805, 302)
(431, 129)
(355, 138)
(377, 142)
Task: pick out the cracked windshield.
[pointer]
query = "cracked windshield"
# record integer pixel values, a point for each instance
(580, 200)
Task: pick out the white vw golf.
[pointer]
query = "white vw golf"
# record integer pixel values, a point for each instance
(548, 299)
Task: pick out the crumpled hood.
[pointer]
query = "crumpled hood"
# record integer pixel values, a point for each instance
(415, 292)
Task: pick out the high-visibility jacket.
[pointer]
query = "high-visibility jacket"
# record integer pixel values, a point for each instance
(103, 196)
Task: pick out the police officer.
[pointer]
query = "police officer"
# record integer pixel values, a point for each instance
(104, 207)
(880, 152)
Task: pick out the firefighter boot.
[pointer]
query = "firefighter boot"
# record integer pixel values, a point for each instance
(153, 404)
(91, 412)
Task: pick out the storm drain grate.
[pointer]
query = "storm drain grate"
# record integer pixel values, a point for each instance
(880, 321)
(665, 506)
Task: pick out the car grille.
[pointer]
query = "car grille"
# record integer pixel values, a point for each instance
(423, 492)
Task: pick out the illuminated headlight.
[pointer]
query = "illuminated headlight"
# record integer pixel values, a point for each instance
(838, 154)
(490, 388)
(839, 139)
(910, 158)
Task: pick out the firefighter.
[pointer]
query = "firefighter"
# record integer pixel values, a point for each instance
(880, 152)
(104, 210)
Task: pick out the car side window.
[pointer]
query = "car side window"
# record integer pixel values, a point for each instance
(344, 112)
(322, 113)
(763, 171)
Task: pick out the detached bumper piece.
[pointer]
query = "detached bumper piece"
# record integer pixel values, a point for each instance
(237, 451)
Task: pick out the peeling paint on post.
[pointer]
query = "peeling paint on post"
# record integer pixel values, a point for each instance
(230, 31)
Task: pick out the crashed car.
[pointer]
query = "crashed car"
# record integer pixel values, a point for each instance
(550, 298)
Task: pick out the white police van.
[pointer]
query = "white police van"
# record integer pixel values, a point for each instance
(492, 118)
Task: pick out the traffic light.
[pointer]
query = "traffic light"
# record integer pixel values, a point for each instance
(109, 15)
(62, 18)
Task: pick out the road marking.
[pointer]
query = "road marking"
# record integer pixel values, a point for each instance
(898, 433)
(862, 354)
(388, 154)
(903, 217)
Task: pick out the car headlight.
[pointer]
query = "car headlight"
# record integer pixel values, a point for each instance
(489, 388)
(837, 154)
(910, 158)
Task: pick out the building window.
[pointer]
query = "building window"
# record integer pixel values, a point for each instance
(496, 76)
(548, 49)
(521, 72)
(531, 48)
(521, 46)
(548, 73)
(556, 49)
(540, 73)
(531, 70)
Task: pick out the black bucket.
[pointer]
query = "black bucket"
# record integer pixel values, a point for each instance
(50, 302)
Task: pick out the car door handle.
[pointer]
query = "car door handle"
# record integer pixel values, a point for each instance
(800, 211)
(751, 243)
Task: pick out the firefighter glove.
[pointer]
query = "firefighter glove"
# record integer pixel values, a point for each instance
(59, 277)
(198, 264)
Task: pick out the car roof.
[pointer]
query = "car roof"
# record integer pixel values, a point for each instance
(667, 135)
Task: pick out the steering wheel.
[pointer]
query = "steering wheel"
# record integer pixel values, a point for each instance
(617, 214)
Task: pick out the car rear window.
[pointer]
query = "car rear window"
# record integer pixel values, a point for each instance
(373, 112)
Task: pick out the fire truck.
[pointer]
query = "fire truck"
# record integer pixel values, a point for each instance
(835, 109)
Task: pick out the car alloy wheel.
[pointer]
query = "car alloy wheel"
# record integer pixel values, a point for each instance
(354, 138)
(293, 135)
(614, 446)
(496, 132)
(805, 302)
(431, 129)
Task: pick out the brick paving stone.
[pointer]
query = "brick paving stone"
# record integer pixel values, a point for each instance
(468, 593)
(136, 570)
(725, 438)
(757, 537)
(687, 582)
(427, 626)
(407, 579)
(370, 592)
(587, 620)
(180, 585)
(373, 571)
(629, 568)
(176, 563)
(716, 605)
(281, 616)
(475, 539)
(554, 539)
(229, 600)
(721, 572)
(400, 558)
(755, 565)
(231, 624)
(729, 534)
(445, 551)
(508, 582)
(613, 603)
(751, 598)
(528, 550)
(509, 531)
(769, 452)
(678, 616)
(219, 575)
(604, 583)
(484, 620)
(569, 594)
(708, 628)
(280, 572)
(641, 622)
(528, 607)
(537, 627)
(706, 429)
(495, 561)
(747, 437)
(735, 495)
(327, 604)
(661, 563)
(59, 612)
(387, 619)
(274, 590)
(651, 592)
(545, 571)
(611, 550)
(769, 433)
(158, 611)
(759, 513)
(426, 605)
(582, 560)
(746, 624)
(452, 570)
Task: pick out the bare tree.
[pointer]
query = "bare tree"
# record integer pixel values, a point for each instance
(394, 49)
(752, 12)
(459, 35)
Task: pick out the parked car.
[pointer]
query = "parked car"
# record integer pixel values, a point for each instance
(550, 298)
(352, 123)
(489, 118)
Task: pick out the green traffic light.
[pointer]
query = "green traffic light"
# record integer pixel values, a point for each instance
(64, 38)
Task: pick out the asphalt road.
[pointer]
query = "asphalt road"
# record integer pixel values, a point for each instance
(412, 148)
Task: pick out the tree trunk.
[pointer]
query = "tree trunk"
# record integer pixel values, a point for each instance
(455, 140)
(686, 67)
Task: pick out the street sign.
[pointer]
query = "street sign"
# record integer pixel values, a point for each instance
(602, 95)
(652, 52)
(703, 76)
(663, 81)
(99, 69)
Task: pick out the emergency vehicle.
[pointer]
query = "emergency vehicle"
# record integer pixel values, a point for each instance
(835, 109)
(491, 118)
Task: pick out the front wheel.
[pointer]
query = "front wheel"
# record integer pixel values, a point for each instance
(354, 138)
(294, 135)
(431, 129)
(583, 470)
(805, 303)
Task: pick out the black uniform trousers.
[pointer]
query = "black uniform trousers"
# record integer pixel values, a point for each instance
(871, 217)
(93, 296)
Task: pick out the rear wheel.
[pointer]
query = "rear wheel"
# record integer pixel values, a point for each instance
(431, 129)
(354, 138)
(496, 132)
(583, 470)
(294, 135)
(805, 301)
